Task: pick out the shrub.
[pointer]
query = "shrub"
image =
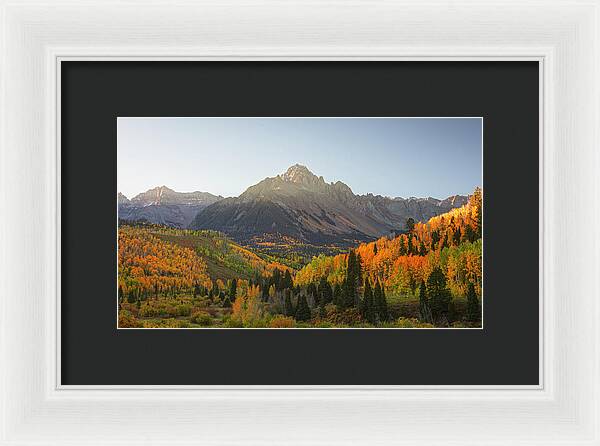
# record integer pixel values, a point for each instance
(231, 322)
(157, 308)
(127, 320)
(282, 322)
(403, 322)
(201, 318)
(323, 324)
(183, 310)
(165, 323)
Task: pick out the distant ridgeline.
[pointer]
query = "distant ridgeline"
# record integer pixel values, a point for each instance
(294, 215)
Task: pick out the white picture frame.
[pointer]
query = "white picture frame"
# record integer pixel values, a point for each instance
(563, 36)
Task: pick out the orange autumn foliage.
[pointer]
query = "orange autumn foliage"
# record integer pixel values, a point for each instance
(451, 241)
(149, 265)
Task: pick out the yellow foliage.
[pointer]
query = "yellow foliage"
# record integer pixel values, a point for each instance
(282, 322)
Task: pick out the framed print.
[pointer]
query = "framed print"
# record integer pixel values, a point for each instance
(246, 251)
(311, 224)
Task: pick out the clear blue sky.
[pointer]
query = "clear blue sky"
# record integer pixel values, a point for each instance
(399, 157)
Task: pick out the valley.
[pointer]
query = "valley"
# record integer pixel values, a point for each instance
(291, 252)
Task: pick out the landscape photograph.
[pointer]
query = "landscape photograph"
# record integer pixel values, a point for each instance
(299, 223)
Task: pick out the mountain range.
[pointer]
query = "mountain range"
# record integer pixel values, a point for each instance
(303, 206)
(164, 206)
(296, 204)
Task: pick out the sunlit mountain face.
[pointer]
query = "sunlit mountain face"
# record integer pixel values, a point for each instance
(301, 205)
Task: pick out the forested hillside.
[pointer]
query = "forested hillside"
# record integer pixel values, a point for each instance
(451, 241)
(429, 276)
(155, 260)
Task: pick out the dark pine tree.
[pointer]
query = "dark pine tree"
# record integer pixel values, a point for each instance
(338, 297)
(366, 306)
(351, 281)
(226, 302)
(131, 297)
(276, 279)
(410, 224)
(457, 236)
(435, 238)
(302, 310)
(287, 282)
(380, 302)
(402, 247)
(473, 308)
(215, 290)
(311, 290)
(424, 309)
(288, 308)
(409, 249)
(439, 295)
(325, 292)
(359, 281)
(232, 289)
(264, 287)
(374, 249)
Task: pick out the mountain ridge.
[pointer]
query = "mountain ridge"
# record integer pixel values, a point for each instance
(162, 205)
(302, 205)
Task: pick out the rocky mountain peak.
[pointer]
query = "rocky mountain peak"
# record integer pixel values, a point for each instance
(122, 199)
(300, 174)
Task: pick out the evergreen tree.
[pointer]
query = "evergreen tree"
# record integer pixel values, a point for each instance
(338, 298)
(287, 283)
(358, 273)
(351, 282)
(380, 302)
(422, 249)
(470, 234)
(410, 224)
(276, 279)
(457, 236)
(120, 293)
(439, 295)
(311, 290)
(302, 310)
(265, 291)
(402, 247)
(409, 249)
(435, 238)
(325, 292)
(473, 308)
(366, 308)
(131, 297)
(374, 249)
(232, 289)
(226, 302)
(384, 306)
(288, 308)
(424, 309)
(215, 290)
(452, 314)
